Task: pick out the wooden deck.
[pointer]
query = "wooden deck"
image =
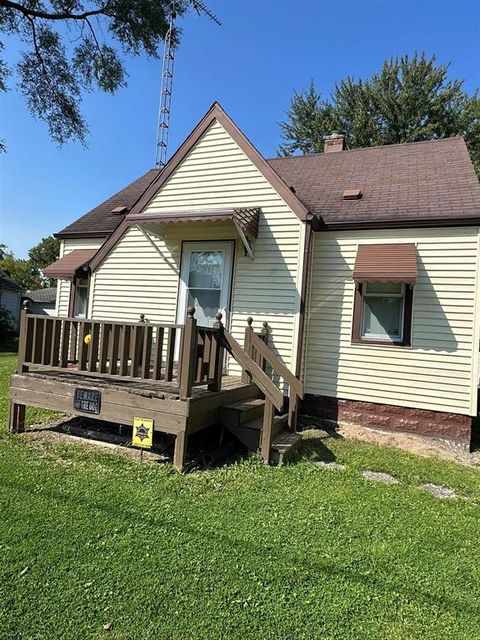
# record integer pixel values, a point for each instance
(130, 372)
(124, 399)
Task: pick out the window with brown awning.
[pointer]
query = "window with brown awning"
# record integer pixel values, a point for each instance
(72, 263)
(386, 263)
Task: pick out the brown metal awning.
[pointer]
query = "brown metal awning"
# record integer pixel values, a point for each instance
(386, 263)
(70, 264)
(245, 219)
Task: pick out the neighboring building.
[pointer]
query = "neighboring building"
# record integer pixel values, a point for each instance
(43, 301)
(364, 263)
(10, 294)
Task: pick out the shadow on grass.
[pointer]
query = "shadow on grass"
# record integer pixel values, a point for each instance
(315, 443)
(206, 450)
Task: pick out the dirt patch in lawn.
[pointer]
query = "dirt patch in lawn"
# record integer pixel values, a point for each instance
(427, 447)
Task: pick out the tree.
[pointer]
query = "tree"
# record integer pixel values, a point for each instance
(42, 255)
(21, 272)
(28, 274)
(68, 53)
(410, 99)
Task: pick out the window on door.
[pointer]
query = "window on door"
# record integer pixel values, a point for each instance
(206, 274)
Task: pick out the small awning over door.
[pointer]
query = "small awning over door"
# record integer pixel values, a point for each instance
(245, 219)
(72, 262)
(386, 263)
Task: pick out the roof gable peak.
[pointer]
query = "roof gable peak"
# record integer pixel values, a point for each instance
(216, 113)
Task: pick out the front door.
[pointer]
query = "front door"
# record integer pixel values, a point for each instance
(205, 280)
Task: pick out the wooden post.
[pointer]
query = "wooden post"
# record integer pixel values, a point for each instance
(247, 345)
(262, 363)
(266, 439)
(16, 417)
(189, 351)
(292, 410)
(24, 338)
(216, 362)
(180, 450)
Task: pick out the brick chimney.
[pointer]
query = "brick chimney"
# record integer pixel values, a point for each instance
(334, 142)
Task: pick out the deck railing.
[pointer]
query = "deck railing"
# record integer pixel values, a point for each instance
(131, 350)
(145, 351)
(138, 350)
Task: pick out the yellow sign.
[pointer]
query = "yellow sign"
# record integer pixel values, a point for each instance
(88, 338)
(142, 433)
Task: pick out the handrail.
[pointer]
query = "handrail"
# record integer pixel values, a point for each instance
(277, 365)
(40, 316)
(249, 365)
(256, 346)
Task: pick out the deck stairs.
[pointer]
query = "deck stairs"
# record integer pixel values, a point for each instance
(244, 420)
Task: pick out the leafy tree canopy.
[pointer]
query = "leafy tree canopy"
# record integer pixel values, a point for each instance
(28, 274)
(42, 255)
(410, 99)
(72, 46)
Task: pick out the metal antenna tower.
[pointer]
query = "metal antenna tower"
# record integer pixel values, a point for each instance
(167, 80)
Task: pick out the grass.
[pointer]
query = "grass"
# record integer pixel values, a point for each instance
(89, 539)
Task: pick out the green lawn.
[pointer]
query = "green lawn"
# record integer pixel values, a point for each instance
(89, 539)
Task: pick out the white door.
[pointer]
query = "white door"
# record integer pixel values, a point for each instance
(205, 280)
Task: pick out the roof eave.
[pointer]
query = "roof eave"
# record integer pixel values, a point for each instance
(67, 235)
(319, 225)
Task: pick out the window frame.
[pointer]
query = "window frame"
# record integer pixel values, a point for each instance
(73, 296)
(406, 325)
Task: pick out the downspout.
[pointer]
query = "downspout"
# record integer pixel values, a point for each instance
(303, 297)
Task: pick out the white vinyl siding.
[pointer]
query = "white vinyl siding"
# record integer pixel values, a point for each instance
(440, 369)
(138, 278)
(63, 286)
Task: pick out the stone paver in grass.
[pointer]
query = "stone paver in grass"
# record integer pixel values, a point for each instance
(386, 478)
(438, 491)
(334, 466)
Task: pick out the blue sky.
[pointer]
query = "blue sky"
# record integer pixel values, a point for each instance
(251, 64)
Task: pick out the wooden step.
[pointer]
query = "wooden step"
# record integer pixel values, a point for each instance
(249, 432)
(242, 412)
(283, 445)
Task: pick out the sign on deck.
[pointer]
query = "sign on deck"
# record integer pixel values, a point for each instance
(87, 400)
(142, 433)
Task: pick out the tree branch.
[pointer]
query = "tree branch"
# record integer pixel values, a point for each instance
(65, 15)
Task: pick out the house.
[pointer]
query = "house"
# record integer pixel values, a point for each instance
(359, 268)
(10, 294)
(43, 301)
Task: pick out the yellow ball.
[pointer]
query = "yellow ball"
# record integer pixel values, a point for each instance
(88, 339)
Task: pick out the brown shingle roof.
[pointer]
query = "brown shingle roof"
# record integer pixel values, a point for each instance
(432, 180)
(419, 182)
(100, 221)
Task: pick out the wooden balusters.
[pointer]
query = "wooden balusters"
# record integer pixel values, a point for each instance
(103, 350)
(157, 357)
(215, 368)
(172, 335)
(25, 341)
(189, 352)
(247, 345)
(93, 346)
